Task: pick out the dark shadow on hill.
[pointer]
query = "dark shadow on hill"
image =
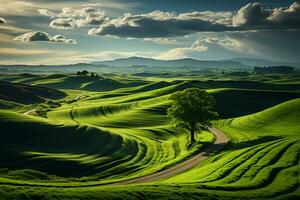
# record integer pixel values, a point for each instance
(27, 94)
(235, 103)
(250, 143)
(240, 84)
(24, 144)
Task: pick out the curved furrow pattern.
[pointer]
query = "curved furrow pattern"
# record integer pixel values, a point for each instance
(272, 156)
(244, 167)
(225, 170)
(217, 170)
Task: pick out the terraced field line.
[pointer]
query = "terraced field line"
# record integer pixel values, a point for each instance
(220, 141)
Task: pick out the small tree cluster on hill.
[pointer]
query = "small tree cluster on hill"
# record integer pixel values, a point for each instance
(192, 109)
(82, 73)
(85, 73)
(274, 69)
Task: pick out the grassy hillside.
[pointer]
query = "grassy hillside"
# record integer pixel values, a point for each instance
(257, 164)
(238, 102)
(116, 128)
(72, 82)
(264, 151)
(92, 144)
(21, 93)
(281, 120)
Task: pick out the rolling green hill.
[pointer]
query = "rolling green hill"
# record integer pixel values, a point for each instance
(264, 151)
(255, 165)
(104, 134)
(71, 82)
(95, 143)
(25, 94)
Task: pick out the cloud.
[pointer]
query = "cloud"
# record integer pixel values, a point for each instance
(70, 12)
(30, 56)
(43, 37)
(17, 8)
(225, 42)
(93, 18)
(281, 45)
(184, 52)
(204, 44)
(224, 17)
(255, 16)
(114, 5)
(252, 16)
(62, 39)
(156, 24)
(2, 21)
(21, 52)
(289, 17)
(178, 53)
(47, 13)
(70, 18)
(60, 23)
(161, 40)
(10, 29)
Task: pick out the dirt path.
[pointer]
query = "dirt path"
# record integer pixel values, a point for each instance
(29, 112)
(220, 141)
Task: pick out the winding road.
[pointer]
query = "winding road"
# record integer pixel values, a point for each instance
(220, 141)
(29, 112)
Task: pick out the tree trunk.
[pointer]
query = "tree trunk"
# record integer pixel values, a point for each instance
(192, 136)
(193, 133)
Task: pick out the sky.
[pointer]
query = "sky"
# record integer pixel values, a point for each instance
(84, 31)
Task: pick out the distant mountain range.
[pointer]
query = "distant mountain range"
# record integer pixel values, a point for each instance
(186, 62)
(134, 65)
(191, 63)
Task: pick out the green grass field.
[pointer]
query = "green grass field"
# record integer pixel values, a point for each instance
(79, 133)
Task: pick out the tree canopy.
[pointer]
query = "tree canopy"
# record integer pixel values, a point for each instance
(192, 109)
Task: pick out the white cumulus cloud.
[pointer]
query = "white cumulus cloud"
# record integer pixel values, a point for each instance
(39, 36)
(61, 23)
(156, 24)
(255, 16)
(225, 42)
(70, 18)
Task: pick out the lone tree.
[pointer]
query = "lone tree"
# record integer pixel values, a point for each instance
(192, 109)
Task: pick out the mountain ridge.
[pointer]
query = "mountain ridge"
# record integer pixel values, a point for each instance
(185, 62)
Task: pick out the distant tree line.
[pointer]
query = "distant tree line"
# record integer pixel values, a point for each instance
(274, 69)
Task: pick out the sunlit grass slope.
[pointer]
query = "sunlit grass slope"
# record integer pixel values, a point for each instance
(134, 139)
(262, 159)
(144, 120)
(281, 120)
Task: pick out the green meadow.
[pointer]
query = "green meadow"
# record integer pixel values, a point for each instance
(72, 137)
